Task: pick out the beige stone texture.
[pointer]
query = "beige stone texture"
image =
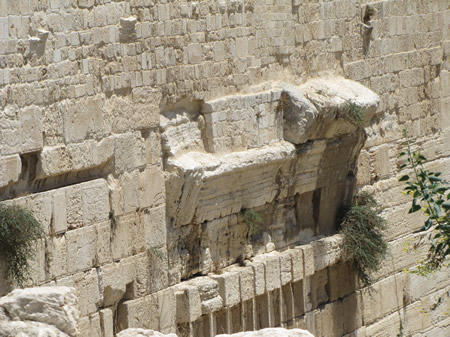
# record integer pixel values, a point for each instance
(139, 132)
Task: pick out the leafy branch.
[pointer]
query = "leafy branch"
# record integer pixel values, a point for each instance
(430, 193)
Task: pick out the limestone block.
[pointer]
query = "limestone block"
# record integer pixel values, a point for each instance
(167, 312)
(107, 322)
(319, 290)
(74, 210)
(158, 277)
(82, 119)
(260, 277)
(197, 175)
(138, 312)
(133, 332)
(88, 292)
(285, 268)
(95, 329)
(95, 201)
(10, 168)
(129, 152)
(272, 270)
(151, 187)
(102, 151)
(297, 263)
(272, 332)
(209, 294)
(146, 106)
(31, 129)
(229, 287)
(50, 305)
(327, 251)
(338, 318)
(154, 222)
(57, 256)
(121, 244)
(390, 296)
(300, 117)
(30, 329)
(308, 259)
(112, 283)
(418, 289)
(247, 284)
(59, 213)
(81, 249)
(54, 161)
(103, 233)
(188, 305)
(181, 132)
(342, 280)
(40, 205)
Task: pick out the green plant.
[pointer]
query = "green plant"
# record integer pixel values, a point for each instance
(431, 195)
(364, 243)
(253, 220)
(156, 252)
(18, 232)
(353, 113)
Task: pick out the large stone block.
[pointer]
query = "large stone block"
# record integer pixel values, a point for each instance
(188, 305)
(10, 168)
(229, 288)
(391, 293)
(31, 129)
(81, 249)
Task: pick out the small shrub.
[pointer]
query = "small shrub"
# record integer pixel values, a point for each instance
(18, 232)
(364, 243)
(353, 113)
(253, 220)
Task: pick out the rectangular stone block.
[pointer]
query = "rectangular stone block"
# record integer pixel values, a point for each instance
(260, 277)
(107, 322)
(57, 256)
(285, 268)
(297, 264)
(247, 283)
(308, 259)
(10, 168)
(390, 296)
(154, 222)
(151, 188)
(31, 129)
(327, 251)
(59, 213)
(89, 296)
(342, 280)
(95, 201)
(229, 287)
(129, 152)
(81, 249)
(188, 302)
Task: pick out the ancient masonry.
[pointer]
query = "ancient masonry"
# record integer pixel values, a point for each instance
(140, 133)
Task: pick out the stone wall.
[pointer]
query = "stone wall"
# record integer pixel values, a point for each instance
(137, 131)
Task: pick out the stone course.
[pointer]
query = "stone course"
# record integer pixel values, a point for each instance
(138, 132)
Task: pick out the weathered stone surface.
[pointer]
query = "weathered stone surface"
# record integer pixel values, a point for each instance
(272, 332)
(133, 332)
(49, 305)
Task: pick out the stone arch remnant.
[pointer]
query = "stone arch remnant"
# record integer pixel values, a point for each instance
(288, 153)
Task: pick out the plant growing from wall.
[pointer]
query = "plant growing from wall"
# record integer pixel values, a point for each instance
(354, 114)
(364, 243)
(18, 232)
(431, 195)
(253, 220)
